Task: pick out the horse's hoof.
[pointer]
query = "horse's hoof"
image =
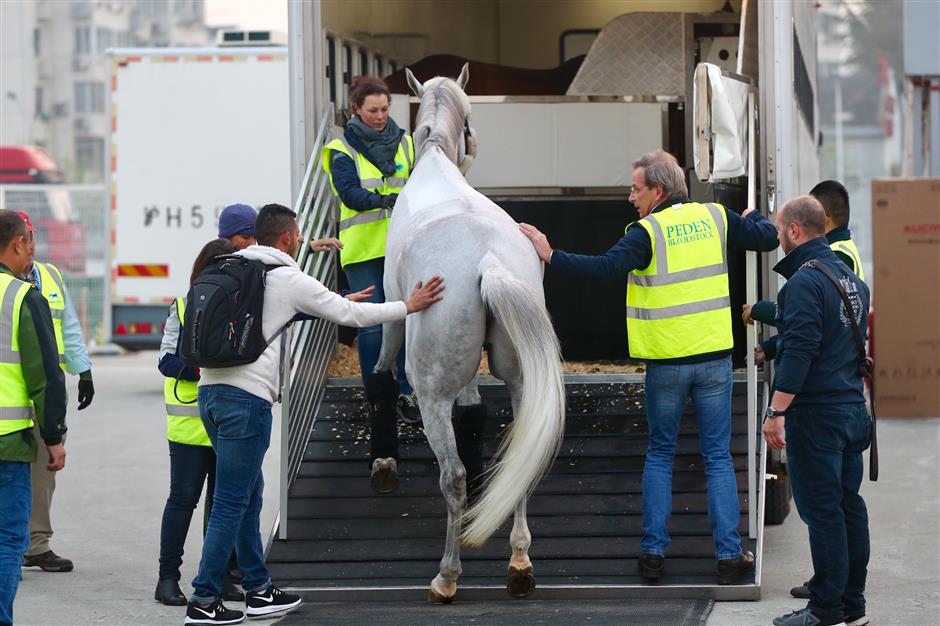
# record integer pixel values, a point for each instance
(521, 582)
(438, 598)
(384, 475)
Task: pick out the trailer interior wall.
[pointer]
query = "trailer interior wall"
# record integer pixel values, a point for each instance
(520, 33)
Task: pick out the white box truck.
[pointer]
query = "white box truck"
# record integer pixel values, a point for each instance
(192, 130)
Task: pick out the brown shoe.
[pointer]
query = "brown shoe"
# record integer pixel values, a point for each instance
(49, 561)
(729, 570)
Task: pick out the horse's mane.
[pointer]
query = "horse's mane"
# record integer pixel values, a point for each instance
(444, 106)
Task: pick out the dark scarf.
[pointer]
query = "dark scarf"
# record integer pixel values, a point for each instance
(378, 147)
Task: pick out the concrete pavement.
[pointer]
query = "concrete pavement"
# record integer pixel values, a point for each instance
(110, 499)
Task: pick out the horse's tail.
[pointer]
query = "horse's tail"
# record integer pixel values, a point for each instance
(532, 441)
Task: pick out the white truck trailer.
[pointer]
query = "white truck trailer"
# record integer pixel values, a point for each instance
(192, 130)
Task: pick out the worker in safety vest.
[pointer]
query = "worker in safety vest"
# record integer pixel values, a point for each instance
(73, 358)
(32, 391)
(835, 201)
(678, 310)
(368, 167)
(192, 459)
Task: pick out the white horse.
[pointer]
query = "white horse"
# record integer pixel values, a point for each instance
(494, 298)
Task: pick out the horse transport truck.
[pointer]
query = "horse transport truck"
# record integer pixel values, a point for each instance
(564, 96)
(192, 130)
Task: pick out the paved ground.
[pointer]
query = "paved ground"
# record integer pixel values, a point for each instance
(110, 498)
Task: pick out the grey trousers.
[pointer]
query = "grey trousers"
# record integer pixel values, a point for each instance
(40, 522)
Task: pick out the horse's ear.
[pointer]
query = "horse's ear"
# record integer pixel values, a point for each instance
(464, 76)
(413, 82)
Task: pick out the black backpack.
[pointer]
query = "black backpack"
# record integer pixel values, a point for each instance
(222, 325)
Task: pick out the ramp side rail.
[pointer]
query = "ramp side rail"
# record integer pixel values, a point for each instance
(311, 343)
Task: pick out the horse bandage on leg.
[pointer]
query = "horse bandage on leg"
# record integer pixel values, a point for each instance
(382, 393)
(468, 431)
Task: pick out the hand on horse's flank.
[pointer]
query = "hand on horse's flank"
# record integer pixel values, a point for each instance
(425, 294)
(539, 241)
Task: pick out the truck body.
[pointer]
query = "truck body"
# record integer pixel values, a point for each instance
(192, 131)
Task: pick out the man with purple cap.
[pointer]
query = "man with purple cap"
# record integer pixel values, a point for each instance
(237, 224)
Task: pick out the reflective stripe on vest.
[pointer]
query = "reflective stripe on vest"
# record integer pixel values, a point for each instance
(16, 408)
(848, 248)
(363, 233)
(53, 290)
(183, 423)
(680, 304)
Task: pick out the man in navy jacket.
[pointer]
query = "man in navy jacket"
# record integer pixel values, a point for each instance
(817, 412)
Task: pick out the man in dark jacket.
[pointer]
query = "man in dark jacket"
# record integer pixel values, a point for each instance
(817, 412)
(32, 388)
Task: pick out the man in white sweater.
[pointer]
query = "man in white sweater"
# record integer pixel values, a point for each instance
(235, 406)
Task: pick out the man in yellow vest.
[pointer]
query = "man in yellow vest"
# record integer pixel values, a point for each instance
(678, 310)
(32, 391)
(73, 358)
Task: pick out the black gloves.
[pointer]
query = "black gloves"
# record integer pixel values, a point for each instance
(86, 389)
(389, 201)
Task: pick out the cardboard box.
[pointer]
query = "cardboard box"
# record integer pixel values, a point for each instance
(906, 298)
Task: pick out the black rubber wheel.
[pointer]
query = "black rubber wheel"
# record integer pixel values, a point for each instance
(777, 498)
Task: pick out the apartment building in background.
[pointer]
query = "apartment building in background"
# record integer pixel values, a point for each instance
(55, 75)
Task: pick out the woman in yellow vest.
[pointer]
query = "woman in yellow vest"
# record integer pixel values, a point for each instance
(192, 460)
(368, 167)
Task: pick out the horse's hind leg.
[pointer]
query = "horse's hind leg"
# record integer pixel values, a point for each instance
(382, 394)
(440, 434)
(521, 582)
(504, 363)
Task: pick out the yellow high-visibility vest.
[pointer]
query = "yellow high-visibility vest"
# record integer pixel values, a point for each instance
(16, 407)
(183, 424)
(680, 305)
(53, 290)
(363, 232)
(848, 248)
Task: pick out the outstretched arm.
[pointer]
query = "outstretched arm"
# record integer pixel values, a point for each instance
(633, 251)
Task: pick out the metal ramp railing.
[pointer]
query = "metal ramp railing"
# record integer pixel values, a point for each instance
(311, 342)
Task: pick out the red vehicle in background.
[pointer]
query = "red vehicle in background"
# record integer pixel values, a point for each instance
(31, 181)
(28, 164)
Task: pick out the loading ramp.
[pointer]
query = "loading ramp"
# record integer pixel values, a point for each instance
(347, 543)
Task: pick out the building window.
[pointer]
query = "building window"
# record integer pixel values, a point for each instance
(37, 42)
(89, 97)
(39, 110)
(89, 156)
(83, 40)
(104, 39)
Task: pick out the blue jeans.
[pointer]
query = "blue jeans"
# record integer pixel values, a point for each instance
(15, 503)
(360, 276)
(667, 389)
(824, 460)
(239, 427)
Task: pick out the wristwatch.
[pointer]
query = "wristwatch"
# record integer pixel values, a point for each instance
(772, 413)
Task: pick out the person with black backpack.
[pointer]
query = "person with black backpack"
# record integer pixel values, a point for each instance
(818, 413)
(240, 346)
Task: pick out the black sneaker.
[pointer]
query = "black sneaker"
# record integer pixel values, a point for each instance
(651, 566)
(215, 613)
(270, 601)
(407, 408)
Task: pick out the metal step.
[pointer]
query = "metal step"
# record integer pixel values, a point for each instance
(346, 543)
